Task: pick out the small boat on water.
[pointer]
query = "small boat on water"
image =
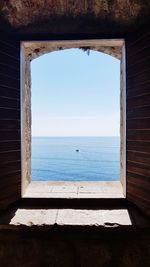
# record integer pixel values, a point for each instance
(77, 150)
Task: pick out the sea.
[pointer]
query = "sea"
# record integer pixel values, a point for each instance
(75, 158)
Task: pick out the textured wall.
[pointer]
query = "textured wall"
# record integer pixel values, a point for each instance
(10, 148)
(25, 120)
(69, 16)
(138, 120)
(110, 47)
(23, 12)
(78, 249)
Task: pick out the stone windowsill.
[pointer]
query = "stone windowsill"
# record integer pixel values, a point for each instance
(74, 190)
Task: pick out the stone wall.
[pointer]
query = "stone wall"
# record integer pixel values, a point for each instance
(25, 12)
(25, 120)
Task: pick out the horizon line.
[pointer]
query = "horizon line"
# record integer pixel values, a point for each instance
(75, 135)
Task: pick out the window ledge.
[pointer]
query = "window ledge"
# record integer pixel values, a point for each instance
(74, 190)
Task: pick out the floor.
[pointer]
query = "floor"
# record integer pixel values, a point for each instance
(36, 215)
(74, 190)
(33, 214)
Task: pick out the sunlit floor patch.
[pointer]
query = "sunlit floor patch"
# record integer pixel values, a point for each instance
(93, 217)
(74, 217)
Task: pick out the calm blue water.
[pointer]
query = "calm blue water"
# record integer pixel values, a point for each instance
(55, 158)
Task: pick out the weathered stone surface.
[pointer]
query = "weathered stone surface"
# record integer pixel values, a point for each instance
(74, 190)
(37, 217)
(102, 188)
(123, 121)
(100, 195)
(26, 121)
(111, 47)
(64, 189)
(50, 195)
(38, 187)
(25, 12)
(93, 217)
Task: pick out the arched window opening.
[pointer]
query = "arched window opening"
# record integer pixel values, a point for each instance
(76, 119)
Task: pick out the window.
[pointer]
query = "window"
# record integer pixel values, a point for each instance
(31, 50)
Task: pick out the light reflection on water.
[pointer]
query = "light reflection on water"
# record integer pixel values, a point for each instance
(56, 158)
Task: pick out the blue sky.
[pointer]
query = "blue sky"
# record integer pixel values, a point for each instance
(74, 94)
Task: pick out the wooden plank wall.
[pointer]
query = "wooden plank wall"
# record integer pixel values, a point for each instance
(10, 152)
(138, 120)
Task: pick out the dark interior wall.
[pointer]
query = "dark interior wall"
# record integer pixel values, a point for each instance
(138, 119)
(10, 156)
(75, 249)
